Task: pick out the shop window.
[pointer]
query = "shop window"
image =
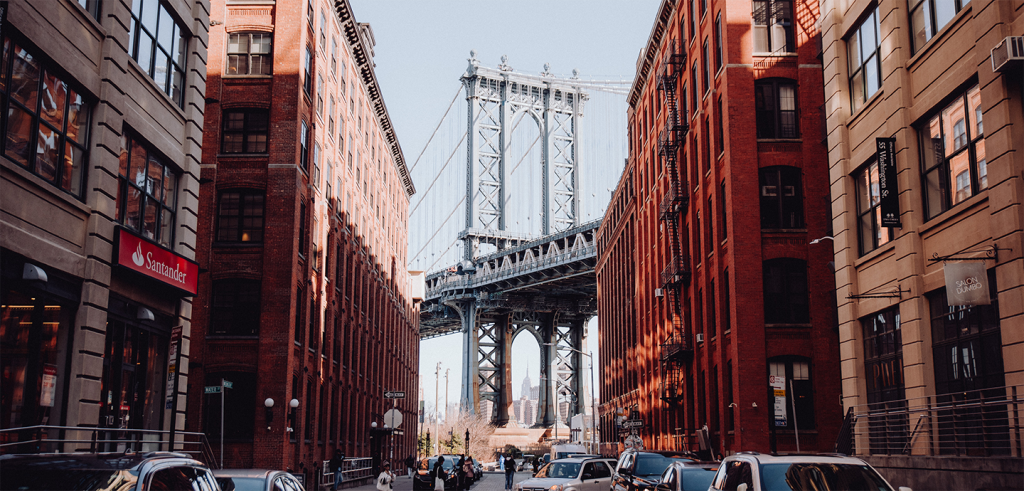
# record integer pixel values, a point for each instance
(249, 53)
(775, 103)
(245, 131)
(773, 26)
(134, 372)
(869, 211)
(235, 309)
(865, 60)
(883, 373)
(239, 407)
(781, 198)
(785, 291)
(46, 119)
(148, 190)
(953, 153)
(240, 216)
(928, 17)
(799, 391)
(159, 43)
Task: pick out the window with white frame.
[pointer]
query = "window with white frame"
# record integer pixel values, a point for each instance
(249, 53)
(773, 26)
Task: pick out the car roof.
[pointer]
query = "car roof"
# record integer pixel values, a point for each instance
(694, 464)
(260, 473)
(800, 458)
(99, 461)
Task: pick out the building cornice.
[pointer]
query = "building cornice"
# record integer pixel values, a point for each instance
(646, 59)
(364, 59)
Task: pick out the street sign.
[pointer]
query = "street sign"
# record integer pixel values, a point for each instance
(394, 394)
(393, 418)
(212, 389)
(228, 384)
(398, 432)
(633, 423)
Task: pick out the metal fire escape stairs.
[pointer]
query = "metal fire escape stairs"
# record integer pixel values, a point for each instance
(677, 349)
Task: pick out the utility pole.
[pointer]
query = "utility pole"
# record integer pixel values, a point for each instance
(437, 380)
(446, 370)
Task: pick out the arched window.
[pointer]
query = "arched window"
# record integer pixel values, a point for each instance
(782, 204)
(785, 291)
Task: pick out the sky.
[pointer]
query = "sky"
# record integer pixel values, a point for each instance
(422, 47)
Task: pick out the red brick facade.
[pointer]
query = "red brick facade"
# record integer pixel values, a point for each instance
(691, 343)
(336, 326)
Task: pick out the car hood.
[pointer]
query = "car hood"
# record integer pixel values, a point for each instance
(545, 482)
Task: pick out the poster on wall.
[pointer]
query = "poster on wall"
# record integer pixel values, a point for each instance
(888, 190)
(49, 385)
(172, 367)
(966, 283)
(778, 385)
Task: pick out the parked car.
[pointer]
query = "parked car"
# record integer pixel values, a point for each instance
(424, 477)
(641, 470)
(256, 480)
(688, 475)
(751, 471)
(572, 474)
(105, 471)
(563, 450)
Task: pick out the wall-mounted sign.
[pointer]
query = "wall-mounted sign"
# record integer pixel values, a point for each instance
(966, 283)
(145, 257)
(888, 189)
(49, 385)
(172, 368)
(778, 385)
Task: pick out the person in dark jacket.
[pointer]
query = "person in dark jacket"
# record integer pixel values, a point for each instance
(410, 463)
(510, 471)
(336, 464)
(440, 476)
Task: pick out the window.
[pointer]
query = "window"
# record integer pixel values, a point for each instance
(781, 198)
(799, 391)
(953, 153)
(304, 147)
(46, 121)
(249, 54)
(705, 63)
(316, 165)
(91, 6)
(147, 192)
(773, 26)
(330, 116)
(722, 203)
(927, 17)
(334, 56)
(726, 303)
(775, 102)
(239, 405)
(309, 402)
(309, 13)
(240, 216)
(703, 8)
(323, 31)
(307, 78)
(883, 371)
(693, 19)
(865, 60)
(300, 301)
(869, 212)
(785, 291)
(235, 308)
(696, 238)
(159, 43)
(696, 87)
(244, 131)
(712, 313)
(719, 59)
(320, 96)
(709, 222)
(303, 235)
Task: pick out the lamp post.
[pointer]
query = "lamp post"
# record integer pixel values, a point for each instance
(268, 406)
(593, 401)
(437, 387)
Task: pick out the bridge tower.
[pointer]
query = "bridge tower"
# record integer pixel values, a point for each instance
(495, 98)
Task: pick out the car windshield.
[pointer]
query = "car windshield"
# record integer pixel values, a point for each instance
(32, 478)
(651, 464)
(241, 483)
(822, 477)
(560, 470)
(447, 464)
(698, 477)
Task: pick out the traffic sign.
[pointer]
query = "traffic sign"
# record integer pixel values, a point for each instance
(394, 394)
(393, 418)
(633, 423)
(228, 384)
(212, 389)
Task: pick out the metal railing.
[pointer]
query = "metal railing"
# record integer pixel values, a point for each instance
(67, 439)
(983, 422)
(455, 282)
(353, 468)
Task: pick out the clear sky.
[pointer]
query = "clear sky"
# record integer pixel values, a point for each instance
(422, 47)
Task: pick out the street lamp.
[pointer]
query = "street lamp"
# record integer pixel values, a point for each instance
(593, 401)
(268, 406)
(827, 237)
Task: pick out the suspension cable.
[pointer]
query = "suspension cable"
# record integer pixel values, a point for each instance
(438, 175)
(457, 205)
(437, 128)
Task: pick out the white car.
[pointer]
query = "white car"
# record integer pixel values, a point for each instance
(751, 471)
(572, 474)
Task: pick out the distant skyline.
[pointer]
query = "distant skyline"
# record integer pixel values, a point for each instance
(422, 48)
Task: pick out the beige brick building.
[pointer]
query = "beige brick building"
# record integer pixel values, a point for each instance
(944, 382)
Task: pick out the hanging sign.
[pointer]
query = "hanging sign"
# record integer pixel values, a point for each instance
(966, 283)
(142, 256)
(888, 190)
(778, 385)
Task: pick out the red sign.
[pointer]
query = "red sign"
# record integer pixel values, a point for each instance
(140, 255)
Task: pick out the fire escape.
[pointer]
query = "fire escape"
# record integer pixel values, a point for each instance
(677, 348)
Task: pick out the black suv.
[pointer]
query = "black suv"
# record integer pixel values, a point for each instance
(105, 471)
(639, 470)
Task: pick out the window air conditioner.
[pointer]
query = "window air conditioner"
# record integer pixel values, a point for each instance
(658, 292)
(1008, 53)
(700, 337)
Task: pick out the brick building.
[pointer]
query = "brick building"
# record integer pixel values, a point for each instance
(102, 110)
(304, 203)
(935, 369)
(708, 286)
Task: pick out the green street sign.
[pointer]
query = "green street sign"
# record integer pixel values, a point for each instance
(227, 384)
(213, 389)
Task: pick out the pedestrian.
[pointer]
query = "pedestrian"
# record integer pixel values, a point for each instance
(386, 478)
(440, 476)
(501, 462)
(410, 462)
(467, 471)
(536, 464)
(337, 463)
(460, 474)
(510, 471)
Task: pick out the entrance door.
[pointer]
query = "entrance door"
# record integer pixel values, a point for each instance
(133, 381)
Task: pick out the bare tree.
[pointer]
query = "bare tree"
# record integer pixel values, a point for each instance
(480, 431)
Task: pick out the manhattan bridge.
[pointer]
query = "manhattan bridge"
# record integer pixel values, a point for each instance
(515, 182)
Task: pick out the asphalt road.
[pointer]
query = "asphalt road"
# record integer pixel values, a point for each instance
(492, 481)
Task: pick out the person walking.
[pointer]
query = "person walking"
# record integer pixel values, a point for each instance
(440, 476)
(337, 462)
(460, 474)
(510, 471)
(386, 478)
(410, 462)
(467, 471)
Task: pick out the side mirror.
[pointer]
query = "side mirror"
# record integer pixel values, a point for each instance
(663, 486)
(742, 487)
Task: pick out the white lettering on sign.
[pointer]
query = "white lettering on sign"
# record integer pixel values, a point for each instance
(968, 284)
(162, 269)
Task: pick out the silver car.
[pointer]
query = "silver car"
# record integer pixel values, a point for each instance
(572, 474)
(256, 480)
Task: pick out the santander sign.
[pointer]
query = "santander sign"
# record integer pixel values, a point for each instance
(142, 256)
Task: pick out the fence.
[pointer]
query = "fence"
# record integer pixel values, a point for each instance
(984, 422)
(65, 439)
(351, 468)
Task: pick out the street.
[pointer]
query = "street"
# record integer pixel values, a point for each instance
(492, 481)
